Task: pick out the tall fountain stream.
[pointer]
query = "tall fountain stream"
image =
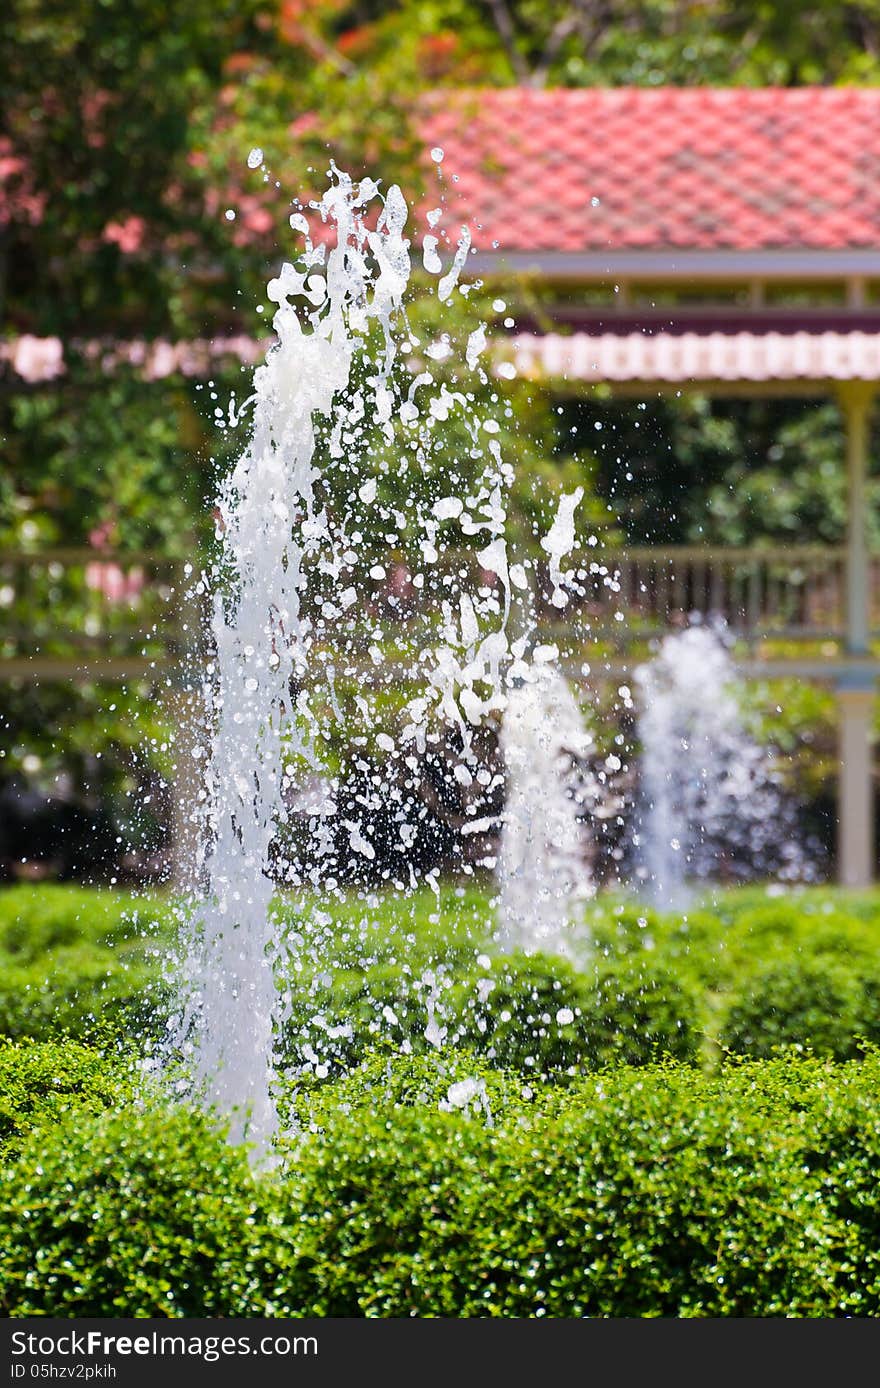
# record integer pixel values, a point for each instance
(287, 592)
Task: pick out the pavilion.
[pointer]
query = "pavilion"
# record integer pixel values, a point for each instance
(719, 241)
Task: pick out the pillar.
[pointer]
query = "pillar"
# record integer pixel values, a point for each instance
(855, 810)
(855, 400)
(856, 687)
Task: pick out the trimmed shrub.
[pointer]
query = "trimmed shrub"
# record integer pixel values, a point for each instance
(639, 1015)
(337, 1018)
(533, 1013)
(36, 919)
(87, 964)
(806, 1004)
(437, 1187)
(79, 962)
(81, 991)
(636, 1193)
(524, 1011)
(542, 1016)
(842, 1154)
(140, 1213)
(44, 1082)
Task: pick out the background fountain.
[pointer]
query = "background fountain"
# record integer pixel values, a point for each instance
(711, 802)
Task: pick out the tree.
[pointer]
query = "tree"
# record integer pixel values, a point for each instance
(104, 107)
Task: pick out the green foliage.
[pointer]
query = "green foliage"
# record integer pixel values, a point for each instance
(457, 1181)
(417, 43)
(104, 105)
(143, 1212)
(817, 1005)
(41, 1083)
(99, 754)
(527, 1013)
(36, 919)
(638, 1193)
(715, 471)
(79, 963)
(641, 1014)
(634, 1193)
(842, 1153)
(84, 992)
(542, 1015)
(108, 453)
(744, 973)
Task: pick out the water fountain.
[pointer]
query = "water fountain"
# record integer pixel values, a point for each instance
(711, 802)
(348, 401)
(542, 862)
(338, 386)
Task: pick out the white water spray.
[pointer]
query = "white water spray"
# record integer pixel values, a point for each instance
(542, 866)
(279, 615)
(712, 807)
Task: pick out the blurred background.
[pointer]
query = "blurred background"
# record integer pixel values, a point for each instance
(135, 244)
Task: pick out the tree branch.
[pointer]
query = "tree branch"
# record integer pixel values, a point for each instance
(561, 30)
(325, 52)
(507, 34)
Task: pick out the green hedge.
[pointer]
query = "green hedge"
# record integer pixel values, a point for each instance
(754, 974)
(139, 1213)
(749, 973)
(659, 1191)
(80, 962)
(44, 1082)
(542, 1015)
(533, 1012)
(820, 1005)
(37, 919)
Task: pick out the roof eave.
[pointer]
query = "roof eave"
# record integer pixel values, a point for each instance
(680, 264)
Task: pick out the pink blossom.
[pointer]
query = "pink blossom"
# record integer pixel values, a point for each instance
(113, 583)
(94, 104)
(42, 358)
(162, 360)
(127, 235)
(37, 359)
(259, 220)
(101, 535)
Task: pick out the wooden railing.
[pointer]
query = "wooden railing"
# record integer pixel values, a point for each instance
(794, 593)
(73, 610)
(91, 610)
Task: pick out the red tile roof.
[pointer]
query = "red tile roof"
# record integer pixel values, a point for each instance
(634, 169)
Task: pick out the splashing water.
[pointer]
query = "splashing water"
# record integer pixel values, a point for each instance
(711, 803)
(542, 860)
(290, 581)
